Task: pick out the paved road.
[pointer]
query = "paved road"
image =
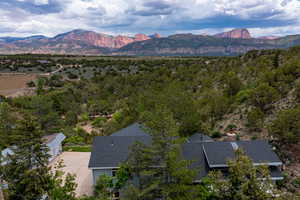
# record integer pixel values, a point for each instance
(77, 163)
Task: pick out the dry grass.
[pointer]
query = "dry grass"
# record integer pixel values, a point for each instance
(15, 85)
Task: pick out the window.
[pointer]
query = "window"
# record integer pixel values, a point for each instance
(114, 172)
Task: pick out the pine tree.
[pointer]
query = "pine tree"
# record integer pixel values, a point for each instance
(160, 168)
(27, 171)
(244, 181)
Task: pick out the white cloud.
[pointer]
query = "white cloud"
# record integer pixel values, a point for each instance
(41, 2)
(167, 16)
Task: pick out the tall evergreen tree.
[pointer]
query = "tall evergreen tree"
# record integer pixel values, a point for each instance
(26, 171)
(160, 168)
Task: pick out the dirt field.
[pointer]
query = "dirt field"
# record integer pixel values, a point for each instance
(77, 163)
(15, 85)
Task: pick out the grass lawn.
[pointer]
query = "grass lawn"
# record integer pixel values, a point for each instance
(87, 148)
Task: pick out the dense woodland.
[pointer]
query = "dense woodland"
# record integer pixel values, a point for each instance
(254, 96)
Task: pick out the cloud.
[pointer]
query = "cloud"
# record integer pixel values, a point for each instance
(50, 17)
(31, 6)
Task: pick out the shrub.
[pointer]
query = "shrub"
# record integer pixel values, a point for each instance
(296, 182)
(74, 140)
(263, 95)
(230, 127)
(286, 127)
(216, 134)
(243, 95)
(31, 84)
(72, 76)
(99, 121)
(255, 118)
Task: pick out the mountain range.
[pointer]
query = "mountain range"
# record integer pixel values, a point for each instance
(234, 42)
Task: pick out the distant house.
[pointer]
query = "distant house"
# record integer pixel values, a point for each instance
(53, 142)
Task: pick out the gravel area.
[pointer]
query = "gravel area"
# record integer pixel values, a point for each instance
(77, 163)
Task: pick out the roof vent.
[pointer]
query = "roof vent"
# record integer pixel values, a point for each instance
(235, 146)
(112, 143)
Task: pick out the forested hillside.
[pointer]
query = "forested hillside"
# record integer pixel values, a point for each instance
(254, 96)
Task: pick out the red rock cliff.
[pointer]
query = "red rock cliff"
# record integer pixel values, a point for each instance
(236, 33)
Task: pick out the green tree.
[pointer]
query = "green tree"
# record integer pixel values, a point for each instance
(232, 83)
(27, 171)
(244, 181)
(264, 95)
(62, 186)
(169, 177)
(286, 127)
(104, 188)
(7, 123)
(40, 86)
(255, 118)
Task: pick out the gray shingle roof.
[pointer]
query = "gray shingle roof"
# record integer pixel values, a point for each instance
(112, 151)
(135, 129)
(193, 152)
(218, 153)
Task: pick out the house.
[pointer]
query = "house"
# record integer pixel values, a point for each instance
(53, 142)
(110, 151)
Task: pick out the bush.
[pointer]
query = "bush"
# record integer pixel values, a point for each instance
(31, 84)
(296, 182)
(230, 127)
(74, 140)
(255, 118)
(287, 126)
(72, 76)
(263, 95)
(99, 121)
(243, 95)
(216, 134)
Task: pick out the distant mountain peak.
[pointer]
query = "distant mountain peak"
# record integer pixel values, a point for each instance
(155, 35)
(240, 33)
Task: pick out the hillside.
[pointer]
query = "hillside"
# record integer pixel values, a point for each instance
(253, 96)
(189, 44)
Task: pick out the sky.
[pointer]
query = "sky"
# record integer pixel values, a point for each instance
(128, 17)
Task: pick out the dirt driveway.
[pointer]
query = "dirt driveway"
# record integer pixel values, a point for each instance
(77, 163)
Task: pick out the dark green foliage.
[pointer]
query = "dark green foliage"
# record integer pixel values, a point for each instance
(287, 126)
(27, 171)
(104, 187)
(263, 96)
(62, 185)
(216, 134)
(7, 124)
(296, 182)
(232, 83)
(170, 176)
(244, 181)
(255, 118)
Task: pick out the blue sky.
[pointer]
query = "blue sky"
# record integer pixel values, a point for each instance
(51, 17)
